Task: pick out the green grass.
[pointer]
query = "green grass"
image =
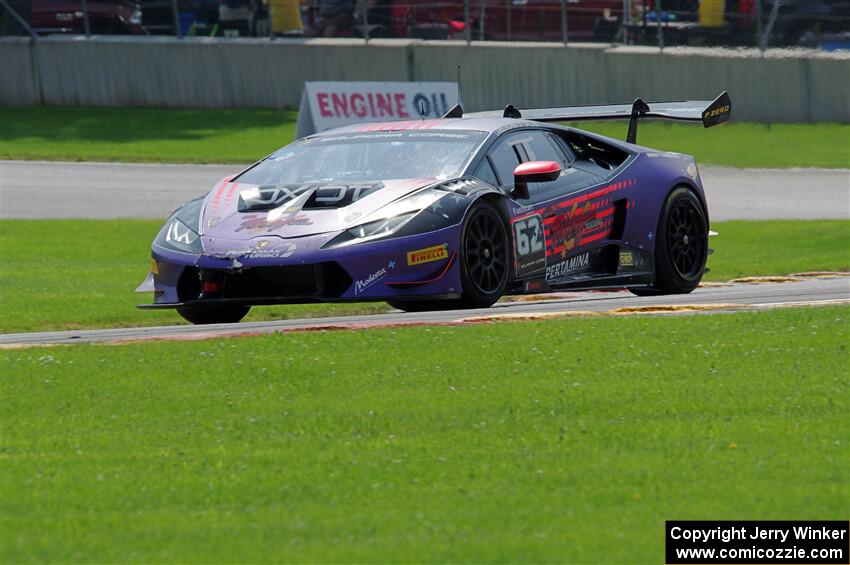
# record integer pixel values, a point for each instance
(562, 441)
(243, 136)
(744, 144)
(778, 247)
(70, 274)
(143, 134)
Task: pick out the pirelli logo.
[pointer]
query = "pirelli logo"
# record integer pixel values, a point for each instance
(427, 255)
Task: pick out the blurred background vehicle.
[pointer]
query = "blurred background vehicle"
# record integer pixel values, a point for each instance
(104, 17)
(517, 20)
(823, 24)
(492, 20)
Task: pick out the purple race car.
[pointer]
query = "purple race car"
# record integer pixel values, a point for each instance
(448, 213)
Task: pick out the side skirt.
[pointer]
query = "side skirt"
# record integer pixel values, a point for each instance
(539, 286)
(271, 301)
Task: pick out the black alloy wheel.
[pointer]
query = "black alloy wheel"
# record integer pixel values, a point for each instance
(684, 240)
(484, 261)
(483, 264)
(681, 247)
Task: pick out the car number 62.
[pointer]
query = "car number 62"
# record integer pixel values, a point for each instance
(529, 235)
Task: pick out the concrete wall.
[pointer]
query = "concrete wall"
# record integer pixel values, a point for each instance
(17, 72)
(777, 86)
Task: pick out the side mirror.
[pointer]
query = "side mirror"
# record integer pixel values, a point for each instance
(534, 171)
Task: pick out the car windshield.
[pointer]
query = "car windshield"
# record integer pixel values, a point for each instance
(368, 156)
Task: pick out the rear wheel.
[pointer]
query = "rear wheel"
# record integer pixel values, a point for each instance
(483, 264)
(681, 247)
(213, 314)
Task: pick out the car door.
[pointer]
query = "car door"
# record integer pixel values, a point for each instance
(540, 228)
(537, 145)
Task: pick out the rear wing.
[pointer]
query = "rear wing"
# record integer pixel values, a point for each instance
(710, 113)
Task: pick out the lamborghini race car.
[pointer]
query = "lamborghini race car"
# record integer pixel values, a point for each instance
(447, 213)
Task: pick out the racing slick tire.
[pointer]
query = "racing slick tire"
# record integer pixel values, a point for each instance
(484, 260)
(213, 314)
(681, 248)
(424, 305)
(484, 264)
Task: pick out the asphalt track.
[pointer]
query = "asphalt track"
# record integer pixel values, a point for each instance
(43, 190)
(732, 297)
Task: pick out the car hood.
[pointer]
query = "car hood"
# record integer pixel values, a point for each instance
(240, 211)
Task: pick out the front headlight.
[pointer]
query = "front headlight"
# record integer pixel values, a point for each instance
(385, 226)
(371, 230)
(180, 232)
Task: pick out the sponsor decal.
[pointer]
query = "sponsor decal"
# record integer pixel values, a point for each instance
(519, 211)
(567, 228)
(716, 111)
(320, 195)
(428, 254)
(262, 250)
(592, 224)
(363, 284)
(267, 198)
(691, 170)
(339, 196)
(626, 259)
(577, 220)
(567, 266)
(154, 267)
(261, 222)
(213, 222)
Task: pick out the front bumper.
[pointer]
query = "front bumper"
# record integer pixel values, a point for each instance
(273, 270)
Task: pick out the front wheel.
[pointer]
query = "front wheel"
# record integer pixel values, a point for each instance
(483, 264)
(484, 257)
(213, 314)
(681, 247)
(425, 305)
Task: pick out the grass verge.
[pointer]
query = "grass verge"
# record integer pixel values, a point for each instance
(243, 136)
(71, 274)
(744, 144)
(572, 444)
(778, 247)
(156, 135)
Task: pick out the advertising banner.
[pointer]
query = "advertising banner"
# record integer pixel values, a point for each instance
(326, 105)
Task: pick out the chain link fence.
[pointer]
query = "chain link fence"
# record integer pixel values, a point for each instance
(823, 24)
